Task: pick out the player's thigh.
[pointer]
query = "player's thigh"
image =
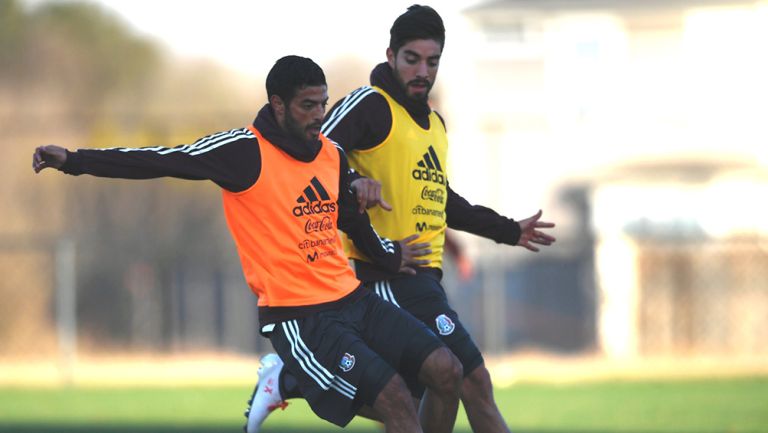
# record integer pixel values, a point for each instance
(400, 339)
(424, 297)
(336, 371)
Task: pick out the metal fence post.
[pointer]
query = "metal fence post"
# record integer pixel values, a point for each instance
(66, 306)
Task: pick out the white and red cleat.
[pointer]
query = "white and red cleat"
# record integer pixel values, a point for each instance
(266, 396)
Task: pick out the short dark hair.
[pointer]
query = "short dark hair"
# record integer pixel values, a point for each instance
(292, 73)
(418, 22)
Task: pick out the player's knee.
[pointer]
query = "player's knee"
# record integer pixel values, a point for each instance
(394, 401)
(477, 384)
(445, 372)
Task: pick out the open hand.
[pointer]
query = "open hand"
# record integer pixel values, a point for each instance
(411, 253)
(529, 234)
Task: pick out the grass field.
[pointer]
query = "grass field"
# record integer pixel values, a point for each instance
(647, 406)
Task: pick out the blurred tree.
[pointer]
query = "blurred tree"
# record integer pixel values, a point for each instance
(87, 56)
(11, 30)
(72, 73)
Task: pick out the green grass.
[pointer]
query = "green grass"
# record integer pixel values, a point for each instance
(679, 406)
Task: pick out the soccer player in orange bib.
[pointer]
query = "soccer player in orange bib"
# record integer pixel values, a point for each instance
(285, 190)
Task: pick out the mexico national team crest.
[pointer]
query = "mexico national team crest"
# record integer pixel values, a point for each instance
(444, 324)
(347, 362)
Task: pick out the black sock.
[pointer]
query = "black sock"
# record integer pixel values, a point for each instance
(289, 387)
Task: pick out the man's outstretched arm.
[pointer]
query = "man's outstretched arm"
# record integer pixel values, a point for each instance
(230, 159)
(485, 222)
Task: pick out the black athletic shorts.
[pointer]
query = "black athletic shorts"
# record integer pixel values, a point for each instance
(424, 297)
(343, 358)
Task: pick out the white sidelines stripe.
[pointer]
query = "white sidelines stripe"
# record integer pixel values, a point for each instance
(318, 379)
(340, 149)
(347, 99)
(136, 149)
(164, 150)
(343, 387)
(386, 244)
(221, 143)
(391, 295)
(312, 367)
(309, 356)
(203, 142)
(384, 292)
(377, 289)
(312, 363)
(343, 392)
(343, 382)
(201, 146)
(343, 110)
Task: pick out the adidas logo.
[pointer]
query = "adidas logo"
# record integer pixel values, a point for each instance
(429, 168)
(314, 200)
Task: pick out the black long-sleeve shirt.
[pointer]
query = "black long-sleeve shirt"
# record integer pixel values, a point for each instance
(366, 121)
(232, 160)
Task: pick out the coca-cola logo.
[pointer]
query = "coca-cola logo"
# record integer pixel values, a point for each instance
(322, 225)
(436, 195)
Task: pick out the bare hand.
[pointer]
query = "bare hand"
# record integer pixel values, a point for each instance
(48, 156)
(369, 194)
(529, 234)
(411, 254)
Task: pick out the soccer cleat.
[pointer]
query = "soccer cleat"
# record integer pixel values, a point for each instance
(266, 395)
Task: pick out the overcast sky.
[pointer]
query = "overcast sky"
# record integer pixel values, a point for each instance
(250, 35)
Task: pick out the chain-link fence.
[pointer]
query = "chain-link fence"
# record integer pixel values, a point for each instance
(707, 298)
(703, 299)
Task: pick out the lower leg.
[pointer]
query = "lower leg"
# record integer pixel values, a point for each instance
(477, 396)
(441, 373)
(396, 409)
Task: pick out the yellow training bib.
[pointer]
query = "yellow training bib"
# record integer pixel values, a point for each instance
(410, 164)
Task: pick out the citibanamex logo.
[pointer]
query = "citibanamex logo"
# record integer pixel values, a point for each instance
(322, 225)
(314, 208)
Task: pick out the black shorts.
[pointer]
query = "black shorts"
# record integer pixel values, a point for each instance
(424, 297)
(343, 358)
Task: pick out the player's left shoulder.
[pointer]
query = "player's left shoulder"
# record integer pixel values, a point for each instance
(439, 116)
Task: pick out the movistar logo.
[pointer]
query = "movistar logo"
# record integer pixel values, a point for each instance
(429, 168)
(424, 227)
(314, 200)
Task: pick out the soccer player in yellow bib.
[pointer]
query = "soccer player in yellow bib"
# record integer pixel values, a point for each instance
(398, 144)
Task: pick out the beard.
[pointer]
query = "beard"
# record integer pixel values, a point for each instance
(299, 132)
(420, 97)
